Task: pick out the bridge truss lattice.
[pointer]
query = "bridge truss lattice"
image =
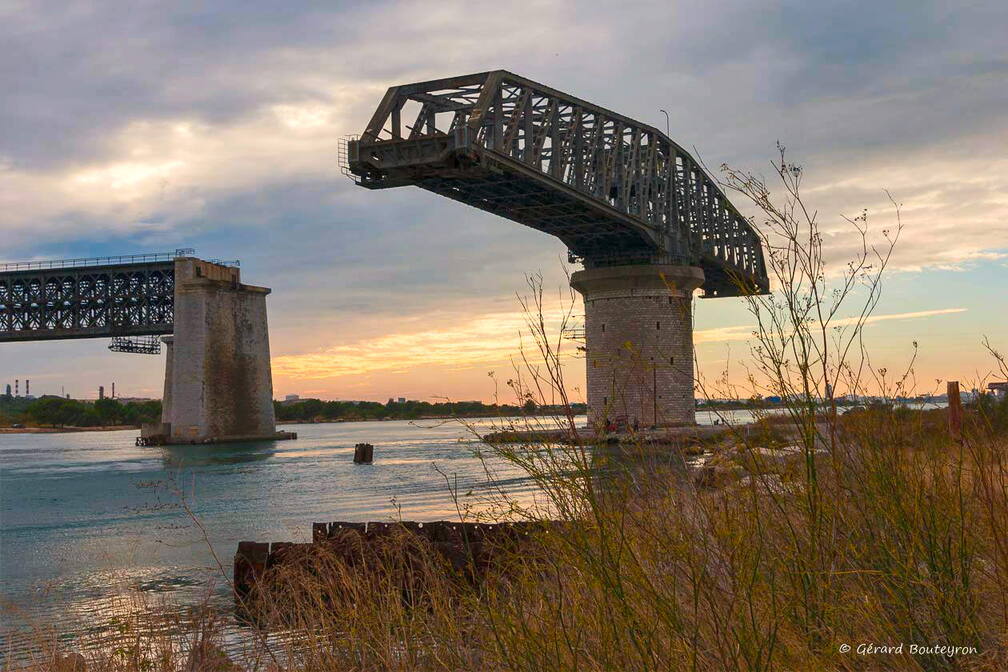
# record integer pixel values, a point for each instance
(121, 297)
(614, 190)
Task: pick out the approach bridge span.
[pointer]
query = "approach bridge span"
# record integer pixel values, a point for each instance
(218, 380)
(87, 298)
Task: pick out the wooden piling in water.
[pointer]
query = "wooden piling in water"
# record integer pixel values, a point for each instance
(363, 453)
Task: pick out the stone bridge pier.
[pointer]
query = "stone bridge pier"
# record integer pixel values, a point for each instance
(218, 381)
(639, 343)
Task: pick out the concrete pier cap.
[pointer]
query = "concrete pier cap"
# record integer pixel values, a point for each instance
(639, 343)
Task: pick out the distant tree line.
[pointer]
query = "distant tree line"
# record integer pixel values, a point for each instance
(315, 410)
(59, 412)
(993, 409)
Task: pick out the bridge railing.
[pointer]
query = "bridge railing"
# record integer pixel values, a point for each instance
(94, 261)
(113, 260)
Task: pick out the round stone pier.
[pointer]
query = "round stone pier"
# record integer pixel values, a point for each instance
(639, 343)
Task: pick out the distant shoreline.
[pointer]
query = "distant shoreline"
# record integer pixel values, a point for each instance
(64, 430)
(118, 428)
(330, 421)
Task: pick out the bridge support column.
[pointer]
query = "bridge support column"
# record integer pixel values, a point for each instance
(218, 382)
(639, 343)
(166, 398)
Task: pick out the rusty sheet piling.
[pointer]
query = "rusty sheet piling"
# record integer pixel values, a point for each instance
(468, 550)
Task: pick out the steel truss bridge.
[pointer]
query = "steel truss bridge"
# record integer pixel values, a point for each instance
(119, 297)
(614, 190)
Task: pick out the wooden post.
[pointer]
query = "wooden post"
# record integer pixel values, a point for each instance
(363, 453)
(954, 411)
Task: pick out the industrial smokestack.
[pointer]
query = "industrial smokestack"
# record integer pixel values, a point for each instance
(17, 387)
(27, 391)
(101, 392)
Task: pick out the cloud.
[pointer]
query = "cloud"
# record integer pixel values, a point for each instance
(490, 339)
(170, 170)
(177, 108)
(952, 216)
(493, 338)
(744, 332)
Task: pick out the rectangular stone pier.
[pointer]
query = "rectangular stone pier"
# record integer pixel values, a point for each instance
(218, 381)
(639, 343)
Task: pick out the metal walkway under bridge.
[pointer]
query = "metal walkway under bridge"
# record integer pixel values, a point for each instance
(614, 190)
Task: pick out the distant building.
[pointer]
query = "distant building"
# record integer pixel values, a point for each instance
(292, 399)
(8, 390)
(101, 392)
(402, 400)
(999, 390)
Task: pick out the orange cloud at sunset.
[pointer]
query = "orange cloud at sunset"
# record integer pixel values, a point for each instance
(454, 360)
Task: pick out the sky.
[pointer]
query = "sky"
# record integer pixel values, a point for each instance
(148, 126)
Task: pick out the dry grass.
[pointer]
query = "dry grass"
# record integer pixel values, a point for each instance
(878, 529)
(900, 539)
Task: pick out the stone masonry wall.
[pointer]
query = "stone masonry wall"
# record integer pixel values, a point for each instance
(221, 383)
(639, 343)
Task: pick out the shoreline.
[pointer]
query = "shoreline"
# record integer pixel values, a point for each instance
(333, 421)
(118, 428)
(65, 430)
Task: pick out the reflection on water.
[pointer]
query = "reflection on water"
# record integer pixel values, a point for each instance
(194, 456)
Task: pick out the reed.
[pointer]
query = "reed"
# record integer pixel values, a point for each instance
(875, 527)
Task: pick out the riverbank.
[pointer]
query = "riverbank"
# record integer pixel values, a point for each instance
(873, 522)
(326, 421)
(65, 430)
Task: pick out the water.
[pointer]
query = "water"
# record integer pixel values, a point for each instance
(86, 516)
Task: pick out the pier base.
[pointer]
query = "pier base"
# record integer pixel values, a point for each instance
(218, 381)
(639, 343)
